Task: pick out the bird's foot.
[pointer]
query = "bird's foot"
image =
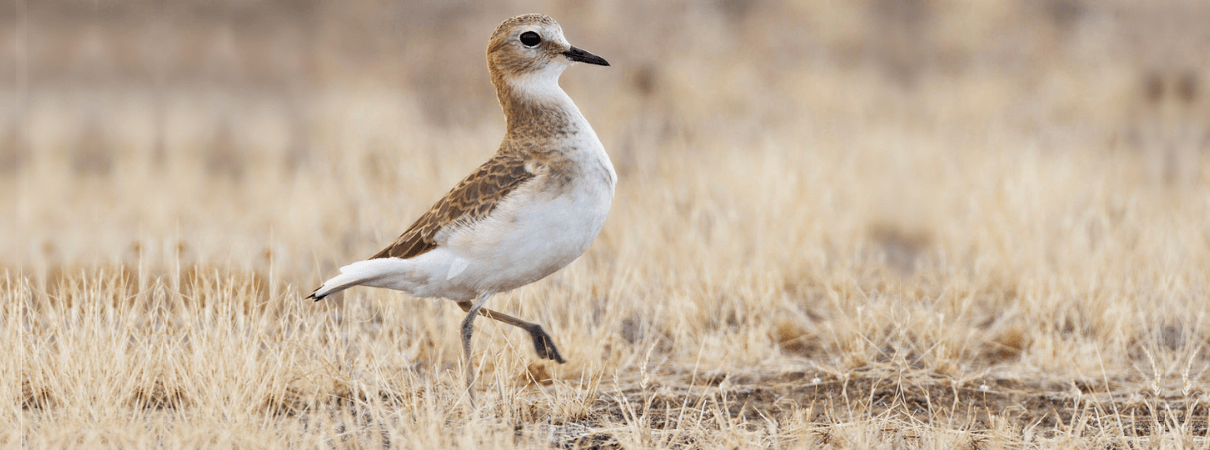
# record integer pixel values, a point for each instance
(544, 345)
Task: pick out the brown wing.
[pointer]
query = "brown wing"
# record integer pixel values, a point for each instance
(470, 200)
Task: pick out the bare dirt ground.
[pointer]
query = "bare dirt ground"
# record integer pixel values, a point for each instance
(872, 224)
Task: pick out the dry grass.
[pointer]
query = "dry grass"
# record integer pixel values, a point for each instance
(839, 225)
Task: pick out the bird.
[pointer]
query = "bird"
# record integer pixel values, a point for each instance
(534, 207)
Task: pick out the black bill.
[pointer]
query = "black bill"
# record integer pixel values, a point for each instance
(579, 55)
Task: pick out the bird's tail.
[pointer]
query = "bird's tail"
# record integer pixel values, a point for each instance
(366, 272)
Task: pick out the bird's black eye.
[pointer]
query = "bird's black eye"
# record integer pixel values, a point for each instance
(530, 39)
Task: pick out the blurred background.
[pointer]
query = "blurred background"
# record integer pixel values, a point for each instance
(126, 125)
(884, 194)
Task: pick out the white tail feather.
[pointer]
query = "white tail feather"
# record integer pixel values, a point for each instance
(361, 273)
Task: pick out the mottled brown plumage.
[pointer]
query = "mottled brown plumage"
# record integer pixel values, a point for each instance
(471, 200)
(528, 118)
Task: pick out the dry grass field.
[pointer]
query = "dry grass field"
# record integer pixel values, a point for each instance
(871, 224)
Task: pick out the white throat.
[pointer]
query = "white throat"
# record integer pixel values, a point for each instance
(542, 85)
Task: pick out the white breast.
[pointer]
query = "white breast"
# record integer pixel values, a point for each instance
(537, 232)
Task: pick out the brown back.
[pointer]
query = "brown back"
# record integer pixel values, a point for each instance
(470, 201)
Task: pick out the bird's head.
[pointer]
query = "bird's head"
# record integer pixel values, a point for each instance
(529, 52)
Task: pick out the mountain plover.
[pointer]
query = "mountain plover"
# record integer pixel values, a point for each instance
(530, 210)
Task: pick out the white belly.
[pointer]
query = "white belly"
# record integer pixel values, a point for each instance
(533, 240)
(524, 240)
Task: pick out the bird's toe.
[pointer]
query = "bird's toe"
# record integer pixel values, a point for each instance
(544, 345)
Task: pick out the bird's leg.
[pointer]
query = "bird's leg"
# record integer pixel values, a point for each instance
(543, 344)
(468, 329)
